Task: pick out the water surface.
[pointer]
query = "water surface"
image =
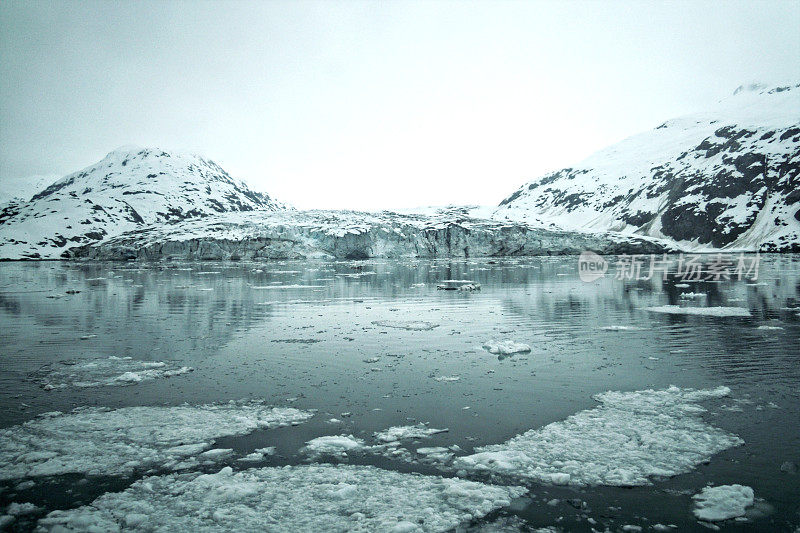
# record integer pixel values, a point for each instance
(319, 335)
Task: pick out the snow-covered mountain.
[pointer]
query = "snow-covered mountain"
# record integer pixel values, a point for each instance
(728, 178)
(128, 189)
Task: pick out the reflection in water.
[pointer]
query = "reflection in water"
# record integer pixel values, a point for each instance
(317, 341)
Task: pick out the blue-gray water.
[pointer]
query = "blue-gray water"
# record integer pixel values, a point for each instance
(306, 347)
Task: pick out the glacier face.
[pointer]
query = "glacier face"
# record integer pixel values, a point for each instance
(350, 235)
(728, 178)
(128, 189)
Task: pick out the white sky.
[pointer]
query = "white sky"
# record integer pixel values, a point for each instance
(347, 104)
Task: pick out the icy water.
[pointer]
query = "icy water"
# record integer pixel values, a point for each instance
(374, 344)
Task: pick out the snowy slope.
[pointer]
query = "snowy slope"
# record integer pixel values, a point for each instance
(725, 178)
(129, 188)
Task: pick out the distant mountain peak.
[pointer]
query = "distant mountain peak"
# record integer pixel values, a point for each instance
(130, 187)
(727, 178)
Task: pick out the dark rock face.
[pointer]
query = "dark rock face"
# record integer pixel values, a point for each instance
(723, 179)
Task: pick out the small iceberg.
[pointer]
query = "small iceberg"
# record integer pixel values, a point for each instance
(507, 347)
(714, 504)
(705, 311)
(458, 285)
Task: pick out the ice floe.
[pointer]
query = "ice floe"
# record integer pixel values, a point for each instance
(707, 311)
(506, 347)
(333, 445)
(397, 433)
(628, 438)
(286, 287)
(292, 498)
(723, 502)
(104, 372)
(412, 325)
(100, 441)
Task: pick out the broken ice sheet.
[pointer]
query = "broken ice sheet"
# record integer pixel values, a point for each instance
(293, 498)
(100, 441)
(104, 372)
(628, 438)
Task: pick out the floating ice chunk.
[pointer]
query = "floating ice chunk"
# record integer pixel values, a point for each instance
(458, 285)
(714, 504)
(332, 445)
(412, 325)
(258, 455)
(99, 441)
(624, 441)
(104, 372)
(437, 454)
(447, 379)
(621, 328)
(769, 328)
(292, 498)
(18, 509)
(506, 347)
(216, 454)
(286, 287)
(708, 311)
(420, 431)
(689, 295)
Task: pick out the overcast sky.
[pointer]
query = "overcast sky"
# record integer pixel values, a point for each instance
(347, 104)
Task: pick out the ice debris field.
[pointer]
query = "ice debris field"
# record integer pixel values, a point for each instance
(630, 438)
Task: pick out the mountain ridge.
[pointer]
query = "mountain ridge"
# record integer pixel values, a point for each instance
(726, 178)
(129, 188)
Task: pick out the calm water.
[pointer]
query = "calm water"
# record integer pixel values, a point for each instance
(306, 347)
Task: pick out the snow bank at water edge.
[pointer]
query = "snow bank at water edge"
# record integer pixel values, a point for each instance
(629, 438)
(99, 441)
(714, 504)
(293, 498)
(706, 311)
(104, 372)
